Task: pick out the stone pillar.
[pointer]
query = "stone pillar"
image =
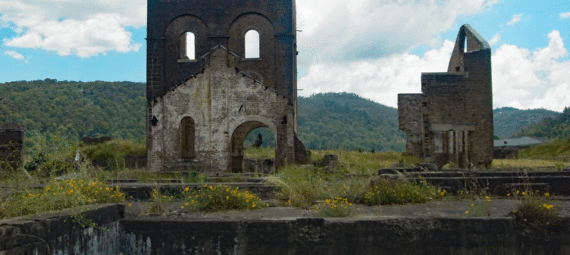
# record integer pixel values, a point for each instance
(11, 147)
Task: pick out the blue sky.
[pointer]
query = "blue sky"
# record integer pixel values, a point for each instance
(373, 48)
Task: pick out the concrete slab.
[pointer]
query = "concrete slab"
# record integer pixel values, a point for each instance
(498, 208)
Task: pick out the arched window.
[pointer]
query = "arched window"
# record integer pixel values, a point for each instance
(187, 132)
(252, 44)
(188, 46)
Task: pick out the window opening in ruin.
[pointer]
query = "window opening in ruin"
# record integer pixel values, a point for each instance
(252, 44)
(188, 46)
(187, 133)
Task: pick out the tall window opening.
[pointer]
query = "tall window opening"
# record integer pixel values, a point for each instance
(252, 44)
(189, 47)
(187, 134)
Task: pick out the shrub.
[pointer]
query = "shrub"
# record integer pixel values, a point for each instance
(536, 210)
(300, 186)
(337, 207)
(50, 154)
(158, 202)
(113, 152)
(220, 198)
(58, 195)
(353, 189)
(386, 191)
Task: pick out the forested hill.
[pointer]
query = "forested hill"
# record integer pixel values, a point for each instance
(118, 109)
(509, 121)
(343, 120)
(76, 108)
(326, 121)
(551, 127)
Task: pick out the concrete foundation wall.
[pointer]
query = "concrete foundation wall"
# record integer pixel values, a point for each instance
(113, 235)
(66, 233)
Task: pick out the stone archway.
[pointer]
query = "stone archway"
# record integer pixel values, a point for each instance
(237, 140)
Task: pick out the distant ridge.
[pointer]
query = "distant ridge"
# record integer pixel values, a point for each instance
(325, 121)
(509, 121)
(348, 121)
(551, 127)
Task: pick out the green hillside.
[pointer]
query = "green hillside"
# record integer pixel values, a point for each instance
(508, 121)
(347, 121)
(326, 121)
(551, 127)
(79, 109)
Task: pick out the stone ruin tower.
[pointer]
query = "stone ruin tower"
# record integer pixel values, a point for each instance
(451, 121)
(11, 146)
(204, 95)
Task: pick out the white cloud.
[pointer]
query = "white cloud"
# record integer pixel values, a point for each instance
(340, 30)
(379, 80)
(84, 28)
(516, 18)
(494, 40)
(521, 78)
(564, 15)
(536, 79)
(15, 55)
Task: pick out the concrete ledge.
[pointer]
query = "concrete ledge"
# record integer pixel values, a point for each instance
(61, 232)
(142, 191)
(57, 233)
(319, 236)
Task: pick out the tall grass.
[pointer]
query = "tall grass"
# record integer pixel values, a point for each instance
(300, 186)
(50, 154)
(57, 195)
(527, 162)
(259, 153)
(559, 148)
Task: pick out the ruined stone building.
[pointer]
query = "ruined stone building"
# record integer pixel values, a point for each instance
(205, 93)
(11, 146)
(451, 121)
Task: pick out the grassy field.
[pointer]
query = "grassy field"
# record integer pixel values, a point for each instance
(312, 187)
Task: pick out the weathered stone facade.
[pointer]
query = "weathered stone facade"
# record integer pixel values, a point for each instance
(451, 121)
(11, 146)
(200, 110)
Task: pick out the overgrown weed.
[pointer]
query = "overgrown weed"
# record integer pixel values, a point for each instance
(387, 191)
(536, 210)
(158, 202)
(300, 186)
(335, 207)
(57, 195)
(481, 207)
(220, 198)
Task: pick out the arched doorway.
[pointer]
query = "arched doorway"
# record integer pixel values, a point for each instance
(246, 135)
(187, 133)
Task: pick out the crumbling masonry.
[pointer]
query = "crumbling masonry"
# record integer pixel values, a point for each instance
(201, 106)
(451, 121)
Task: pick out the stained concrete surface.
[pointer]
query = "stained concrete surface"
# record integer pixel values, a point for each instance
(435, 209)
